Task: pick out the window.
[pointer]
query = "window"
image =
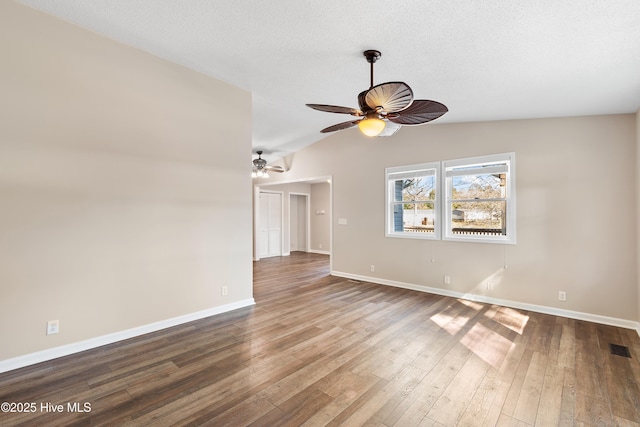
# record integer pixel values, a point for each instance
(480, 199)
(412, 201)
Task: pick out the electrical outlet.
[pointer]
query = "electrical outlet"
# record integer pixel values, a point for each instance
(53, 327)
(489, 286)
(447, 280)
(319, 245)
(562, 296)
(373, 267)
(224, 290)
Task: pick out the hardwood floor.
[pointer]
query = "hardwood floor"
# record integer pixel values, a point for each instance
(319, 350)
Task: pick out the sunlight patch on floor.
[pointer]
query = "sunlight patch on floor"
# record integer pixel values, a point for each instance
(451, 324)
(489, 345)
(508, 317)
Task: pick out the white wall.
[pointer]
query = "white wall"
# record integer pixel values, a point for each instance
(576, 211)
(115, 205)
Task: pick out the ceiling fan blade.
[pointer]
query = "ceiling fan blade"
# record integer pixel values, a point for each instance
(340, 126)
(335, 109)
(391, 96)
(278, 169)
(420, 112)
(390, 128)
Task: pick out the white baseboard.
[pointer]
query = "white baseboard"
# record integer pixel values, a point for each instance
(65, 350)
(315, 251)
(596, 318)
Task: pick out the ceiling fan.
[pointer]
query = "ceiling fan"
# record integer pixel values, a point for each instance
(384, 108)
(260, 168)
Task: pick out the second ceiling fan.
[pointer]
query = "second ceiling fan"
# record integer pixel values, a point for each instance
(384, 108)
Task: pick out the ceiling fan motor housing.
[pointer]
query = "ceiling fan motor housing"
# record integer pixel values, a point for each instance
(259, 163)
(363, 103)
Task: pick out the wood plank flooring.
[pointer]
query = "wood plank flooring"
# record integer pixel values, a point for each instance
(318, 350)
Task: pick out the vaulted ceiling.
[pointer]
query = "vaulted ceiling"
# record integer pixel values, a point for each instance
(489, 60)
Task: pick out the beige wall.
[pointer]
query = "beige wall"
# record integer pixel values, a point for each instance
(299, 222)
(576, 211)
(115, 204)
(321, 217)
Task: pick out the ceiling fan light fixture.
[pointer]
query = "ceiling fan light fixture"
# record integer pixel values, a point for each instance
(371, 125)
(259, 173)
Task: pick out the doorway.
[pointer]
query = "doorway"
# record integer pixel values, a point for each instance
(319, 228)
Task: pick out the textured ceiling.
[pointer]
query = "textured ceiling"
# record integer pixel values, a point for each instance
(488, 60)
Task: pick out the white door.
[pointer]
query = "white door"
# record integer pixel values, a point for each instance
(270, 225)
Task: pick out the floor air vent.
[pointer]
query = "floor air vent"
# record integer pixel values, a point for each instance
(619, 350)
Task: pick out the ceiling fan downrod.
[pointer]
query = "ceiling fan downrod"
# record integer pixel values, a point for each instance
(372, 56)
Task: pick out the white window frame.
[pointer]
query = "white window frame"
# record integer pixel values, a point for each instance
(452, 168)
(417, 170)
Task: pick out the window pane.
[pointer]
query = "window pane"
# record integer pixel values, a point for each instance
(413, 209)
(487, 186)
(416, 217)
(479, 218)
(419, 188)
(480, 199)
